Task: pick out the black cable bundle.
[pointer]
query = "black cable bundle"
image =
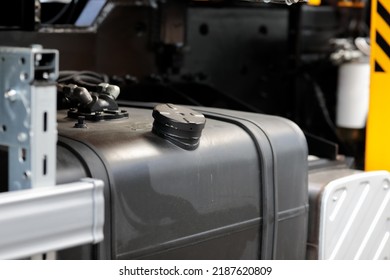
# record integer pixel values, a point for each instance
(87, 79)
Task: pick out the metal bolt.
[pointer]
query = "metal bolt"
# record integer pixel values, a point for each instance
(38, 57)
(27, 174)
(22, 137)
(36, 46)
(80, 122)
(11, 95)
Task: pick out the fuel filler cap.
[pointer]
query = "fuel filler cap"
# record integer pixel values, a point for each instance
(180, 125)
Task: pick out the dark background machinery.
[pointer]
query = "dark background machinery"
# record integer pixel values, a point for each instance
(255, 57)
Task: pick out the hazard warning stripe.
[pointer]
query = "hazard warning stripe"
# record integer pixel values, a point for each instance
(378, 68)
(381, 60)
(382, 44)
(384, 4)
(378, 129)
(382, 31)
(381, 10)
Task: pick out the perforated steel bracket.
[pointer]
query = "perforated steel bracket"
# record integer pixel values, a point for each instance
(51, 218)
(28, 115)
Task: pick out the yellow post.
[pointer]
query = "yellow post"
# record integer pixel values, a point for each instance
(314, 2)
(378, 125)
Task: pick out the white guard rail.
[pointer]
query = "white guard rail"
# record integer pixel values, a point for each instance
(44, 219)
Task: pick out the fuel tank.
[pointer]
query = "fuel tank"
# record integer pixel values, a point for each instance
(240, 192)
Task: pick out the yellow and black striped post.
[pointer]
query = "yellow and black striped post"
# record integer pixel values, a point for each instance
(378, 125)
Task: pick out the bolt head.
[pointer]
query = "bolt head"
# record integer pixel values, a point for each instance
(11, 95)
(27, 174)
(22, 137)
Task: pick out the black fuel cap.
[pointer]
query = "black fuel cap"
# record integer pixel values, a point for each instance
(178, 124)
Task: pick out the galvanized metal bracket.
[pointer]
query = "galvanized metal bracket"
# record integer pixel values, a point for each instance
(28, 129)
